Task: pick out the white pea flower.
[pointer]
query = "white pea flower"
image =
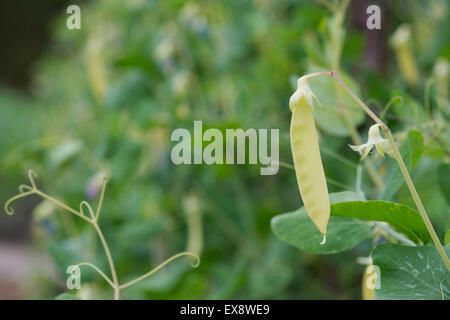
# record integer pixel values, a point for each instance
(375, 139)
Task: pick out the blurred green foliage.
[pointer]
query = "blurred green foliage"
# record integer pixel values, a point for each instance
(107, 97)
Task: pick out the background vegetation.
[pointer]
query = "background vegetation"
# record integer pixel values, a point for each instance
(105, 99)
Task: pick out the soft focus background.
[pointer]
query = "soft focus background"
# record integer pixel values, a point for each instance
(103, 100)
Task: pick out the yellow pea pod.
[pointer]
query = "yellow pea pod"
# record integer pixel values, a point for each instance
(306, 155)
(407, 64)
(401, 42)
(368, 283)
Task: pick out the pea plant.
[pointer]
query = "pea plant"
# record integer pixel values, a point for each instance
(93, 219)
(407, 268)
(129, 80)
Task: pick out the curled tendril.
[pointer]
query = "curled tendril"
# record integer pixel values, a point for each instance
(31, 176)
(194, 264)
(8, 209)
(23, 188)
(24, 191)
(88, 206)
(390, 103)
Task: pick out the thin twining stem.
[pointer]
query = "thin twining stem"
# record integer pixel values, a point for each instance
(337, 44)
(417, 201)
(26, 190)
(32, 189)
(62, 205)
(156, 269)
(389, 104)
(358, 100)
(103, 240)
(401, 164)
(376, 179)
(340, 158)
(389, 231)
(284, 164)
(329, 180)
(98, 270)
(358, 179)
(110, 260)
(88, 206)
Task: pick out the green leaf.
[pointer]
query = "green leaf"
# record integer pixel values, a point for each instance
(444, 180)
(447, 238)
(346, 196)
(403, 218)
(67, 296)
(61, 153)
(411, 272)
(124, 92)
(297, 229)
(410, 109)
(411, 151)
(437, 145)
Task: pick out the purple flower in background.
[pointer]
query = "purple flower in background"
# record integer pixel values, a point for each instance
(93, 187)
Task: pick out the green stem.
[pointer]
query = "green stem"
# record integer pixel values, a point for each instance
(26, 190)
(61, 205)
(99, 272)
(92, 221)
(395, 234)
(336, 44)
(403, 169)
(340, 158)
(110, 260)
(389, 104)
(416, 198)
(329, 180)
(151, 272)
(355, 97)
